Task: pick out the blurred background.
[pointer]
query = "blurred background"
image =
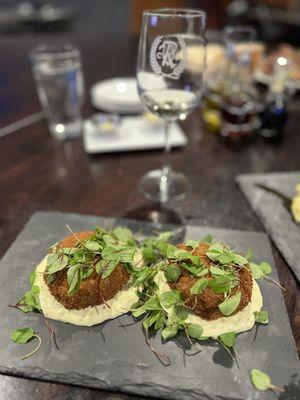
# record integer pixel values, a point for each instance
(91, 25)
(274, 19)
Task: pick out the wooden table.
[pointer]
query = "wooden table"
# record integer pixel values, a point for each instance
(38, 173)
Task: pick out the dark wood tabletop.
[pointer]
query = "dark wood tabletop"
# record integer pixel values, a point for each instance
(39, 173)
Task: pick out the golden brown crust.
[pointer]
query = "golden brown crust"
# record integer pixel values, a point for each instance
(93, 290)
(72, 240)
(206, 304)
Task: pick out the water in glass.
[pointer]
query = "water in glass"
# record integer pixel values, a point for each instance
(59, 81)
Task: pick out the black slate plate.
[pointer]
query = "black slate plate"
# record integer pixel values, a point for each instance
(113, 357)
(273, 213)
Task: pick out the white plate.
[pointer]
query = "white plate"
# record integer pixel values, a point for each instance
(118, 95)
(133, 134)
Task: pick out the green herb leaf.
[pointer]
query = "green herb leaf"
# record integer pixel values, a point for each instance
(152, 304)
(92, 245)
(126, 256)
(227, 339)
(81, 256)
(149, 254)
(86, 272)
(142, 276)
(137, 309)
(68, 251)
(223, 283)
(265, 268)
(196, 260)
(22, 335)
(261, 270)
(112, 253)
(109, 267)
(204, 338)
(32, 277)
(214, 251)
(226, 257)
(207, 239)
(192, 243)
(171, 250)
(249, 254)
(195, 271)
(121, 253)
(108, 239)
(169, 332)
(55, 264)
(151, 320)
(170, 298)
(256, 271)
(100, 266)
(74, 279)
(164, 236)
(179, 314)
(25, 335)
(180, 254)
(194, 331)
(50, 278)
(215, 271)
(240, 260)
(201, 272)
(24, 307)
(52, 258)
(160, 322)
(260, 380)
(229, 305)
(161, 247)
(261, 317)
(172, 272)
(32, 299)
(199, 286)
(122, 234)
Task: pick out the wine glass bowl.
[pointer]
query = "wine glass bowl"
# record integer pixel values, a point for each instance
(170, 70)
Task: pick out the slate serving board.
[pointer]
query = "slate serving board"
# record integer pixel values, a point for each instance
(270, 210)
(114, 356)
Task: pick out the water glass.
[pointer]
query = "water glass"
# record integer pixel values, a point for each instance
(58, 76)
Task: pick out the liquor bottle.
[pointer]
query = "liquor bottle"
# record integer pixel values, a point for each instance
(274, 114)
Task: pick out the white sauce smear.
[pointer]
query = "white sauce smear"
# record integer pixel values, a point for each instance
(118, 305)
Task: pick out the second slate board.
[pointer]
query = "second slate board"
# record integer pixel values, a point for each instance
(273, 213)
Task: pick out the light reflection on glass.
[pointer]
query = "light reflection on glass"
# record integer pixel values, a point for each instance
(153, 20)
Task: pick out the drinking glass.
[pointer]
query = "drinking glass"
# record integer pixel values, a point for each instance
(240, 101)
(170, 69)
(239, 40)
(58, 76)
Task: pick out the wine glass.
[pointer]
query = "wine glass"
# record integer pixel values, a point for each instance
(170, 69)
(238, 40)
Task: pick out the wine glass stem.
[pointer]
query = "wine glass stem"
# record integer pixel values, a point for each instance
(166, 168)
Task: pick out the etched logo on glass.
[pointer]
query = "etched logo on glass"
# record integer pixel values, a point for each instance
(168, 56)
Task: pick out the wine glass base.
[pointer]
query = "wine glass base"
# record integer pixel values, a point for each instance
(159, 219)
(154, 186)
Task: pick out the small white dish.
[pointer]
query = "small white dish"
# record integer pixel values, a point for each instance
(118, 95)
(133, 134)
